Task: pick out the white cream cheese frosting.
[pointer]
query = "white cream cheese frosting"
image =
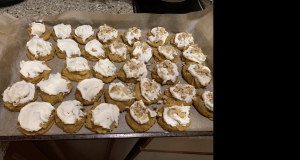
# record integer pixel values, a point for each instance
(207, 97)
(94, 48)
(135, 69)
(70, 111)
(133, 33)
(32, 68)
(183, 39)
(195, 54)
(201, 72)
(140, 113)
(150, 89)
(142, 51)
(105, 114)
(77, 64)
(69, 46)
(176, 115)
(39, 47)
(167, 70)
(158, 34)
(34, 114)
(89, 88)
(183, 92)
(37, 29)
(118, 48)
(62, 31)
(105, 67)
(19, 93)
(118, 91)
(54, 84)
(168, 51)
(84, 31)
(106, 33)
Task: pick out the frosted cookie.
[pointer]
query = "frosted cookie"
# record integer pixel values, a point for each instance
(204, 104)
(117, 51)
(174, 118)
(39, 49)
(147, 90)
(70, 116)
(105, 70)
(18, 95)
(182, 40)
(197, 75)
(165, 72)
(132, 35)
(165, 52)
(62, 31)
(158, 36)
(94, 50)
(36, 118)
(38, 29)
(120, 95)
(83, 34)
(132, 71)
(89, 91)
(68, 48)
(141, 51)
(108, 34)
(180, 94)
(139, 117)
(34, 71)
(193, 54)
(102, 117)
(76, 69)
(55, 88)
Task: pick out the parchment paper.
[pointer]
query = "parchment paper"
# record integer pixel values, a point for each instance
(13, 39)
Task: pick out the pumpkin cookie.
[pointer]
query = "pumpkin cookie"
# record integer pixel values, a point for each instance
(108, 34)
(165, 52)
(39, 49)
(68, 48)
(120, 95)
(117, 52)
(165, 72)
(55, 88)
(38, 29)
(204, 104)
(147, 90)
(197, 75)
(36, 118)
(89, 91)
(193, 54)
(18, 95)
(105, 70)
(182, 40)
(94, 50)
(141, 51)
(132, 71)
(132, 35)
(70, 116)
(139, 117)
(83, 34)
(158, 36)
(62, 31)
(180, 94)
(34, 71)
(102, 117)
(76, 69)
(174, 118)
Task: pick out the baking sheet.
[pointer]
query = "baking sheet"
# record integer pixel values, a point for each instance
(13, 39)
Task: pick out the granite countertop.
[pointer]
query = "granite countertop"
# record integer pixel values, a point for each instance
(29, 8)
